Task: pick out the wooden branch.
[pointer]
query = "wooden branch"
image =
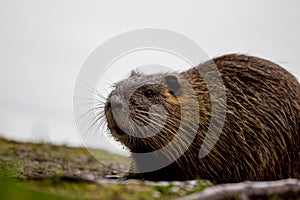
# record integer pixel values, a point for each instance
(246, 190)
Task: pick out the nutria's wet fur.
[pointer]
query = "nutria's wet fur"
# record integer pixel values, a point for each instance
(260, 139)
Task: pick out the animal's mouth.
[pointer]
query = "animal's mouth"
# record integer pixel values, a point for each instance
(112, 125)
(119, 131)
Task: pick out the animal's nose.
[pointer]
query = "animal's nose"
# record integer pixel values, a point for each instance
(116, 102)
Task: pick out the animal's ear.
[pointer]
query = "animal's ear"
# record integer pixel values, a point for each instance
(173, 84)
(135, 73)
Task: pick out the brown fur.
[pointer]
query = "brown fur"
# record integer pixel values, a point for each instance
(260, 138)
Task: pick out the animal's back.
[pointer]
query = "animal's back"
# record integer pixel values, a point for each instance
(260, 139)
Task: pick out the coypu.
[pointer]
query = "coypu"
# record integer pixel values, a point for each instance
(260, 137)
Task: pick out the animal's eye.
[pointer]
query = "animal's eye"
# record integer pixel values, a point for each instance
(149, 93)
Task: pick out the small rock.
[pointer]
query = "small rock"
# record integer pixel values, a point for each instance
(163, 183)
(113, 177)
(88, 177)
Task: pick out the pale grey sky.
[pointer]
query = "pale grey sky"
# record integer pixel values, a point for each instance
(43, 44)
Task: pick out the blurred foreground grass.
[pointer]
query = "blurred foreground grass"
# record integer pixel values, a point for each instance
(60, 189)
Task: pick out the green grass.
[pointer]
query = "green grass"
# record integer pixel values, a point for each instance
(11, 189)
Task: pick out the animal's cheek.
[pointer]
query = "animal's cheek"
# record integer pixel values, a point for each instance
(170, 98)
